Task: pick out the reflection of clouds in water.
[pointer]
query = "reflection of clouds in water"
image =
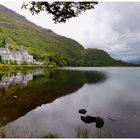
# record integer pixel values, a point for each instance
(115, 98)
(61, 117)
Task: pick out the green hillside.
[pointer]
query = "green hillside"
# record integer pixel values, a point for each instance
(96, 57)
(47, 46)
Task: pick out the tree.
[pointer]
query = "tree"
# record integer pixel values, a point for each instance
(2, 42)
(61, 11)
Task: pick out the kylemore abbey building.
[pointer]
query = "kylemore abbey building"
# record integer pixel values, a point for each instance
(17, 56)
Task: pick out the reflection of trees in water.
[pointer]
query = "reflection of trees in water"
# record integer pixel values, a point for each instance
(43, 89)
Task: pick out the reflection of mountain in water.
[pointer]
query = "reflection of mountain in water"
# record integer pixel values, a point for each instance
(41, 90)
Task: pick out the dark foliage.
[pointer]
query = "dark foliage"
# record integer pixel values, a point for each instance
(61, 11)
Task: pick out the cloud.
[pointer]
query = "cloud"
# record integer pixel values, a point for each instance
(115, 27)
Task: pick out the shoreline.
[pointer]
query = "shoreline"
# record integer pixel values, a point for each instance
(9, 67)
(19, 67)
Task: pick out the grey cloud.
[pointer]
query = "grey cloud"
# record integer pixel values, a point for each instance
(121, 28)
(129, 15)
(131, 53)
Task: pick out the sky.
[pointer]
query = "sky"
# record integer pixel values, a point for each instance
(111, 26)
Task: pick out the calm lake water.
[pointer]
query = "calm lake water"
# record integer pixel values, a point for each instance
(45, 102)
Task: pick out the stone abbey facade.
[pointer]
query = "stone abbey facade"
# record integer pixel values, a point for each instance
(17, 56)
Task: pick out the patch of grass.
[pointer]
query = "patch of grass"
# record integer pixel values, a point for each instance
(105, 134)
(82, 133)
(51, 135)
(2, 134)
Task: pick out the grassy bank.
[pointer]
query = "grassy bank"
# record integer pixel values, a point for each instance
(10, 67)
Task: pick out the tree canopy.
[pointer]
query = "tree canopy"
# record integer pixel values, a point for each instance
(61, 11)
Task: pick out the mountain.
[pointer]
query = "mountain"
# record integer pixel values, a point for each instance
(47, 46)
(137, 61)
(96, 57)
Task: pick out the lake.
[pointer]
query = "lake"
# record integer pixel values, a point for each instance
(42, 103)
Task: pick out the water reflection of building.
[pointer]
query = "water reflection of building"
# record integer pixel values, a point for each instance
(18, 78)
